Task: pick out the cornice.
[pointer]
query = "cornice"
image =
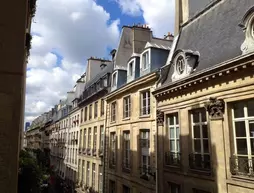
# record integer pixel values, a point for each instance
(223, 69)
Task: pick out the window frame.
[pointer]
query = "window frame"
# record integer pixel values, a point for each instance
(175, 125)
(113, 111)
(102, 107)
(146, 52)
(127, 114)
(147, 106)
(90, 111)
(130, 73)
(114, 75)
(95, 109)
(126, 149)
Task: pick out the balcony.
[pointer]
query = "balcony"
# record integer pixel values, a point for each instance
(126, 167)
(112, 163)
(88, 151)
(146, 172)
(94, 152)
(172, 159)
(241, 166)
(200, 162)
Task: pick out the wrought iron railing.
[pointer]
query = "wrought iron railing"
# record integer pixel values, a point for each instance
(94, 152)
(146, 171)
(101, 152)
(200, 162)
(126, 167)
(172, 159)
(144, 143)
(242, 166)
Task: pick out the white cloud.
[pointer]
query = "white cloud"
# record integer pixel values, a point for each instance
(75, 29)
(159, 14)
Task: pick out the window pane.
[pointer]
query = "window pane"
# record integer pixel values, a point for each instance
(252, 146)
(250, 105)
(177, 145)
(251, 127)
(240, 129)
(177, 132)
(205, 131)
(238, 110)
(172, 145)
(197, 145)
(171, 120)
(206, 146)
(195, 117)
(172, 133)
(203, 115)
(177, 119)
(241, 146)
(196, 130)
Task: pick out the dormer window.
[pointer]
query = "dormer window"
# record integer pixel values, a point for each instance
(114, 79)
(131, 67)
(145, 59)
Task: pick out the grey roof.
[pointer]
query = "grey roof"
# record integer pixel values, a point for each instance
(215, 34)
(101, 73)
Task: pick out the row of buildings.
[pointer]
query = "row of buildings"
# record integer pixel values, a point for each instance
(163, 115)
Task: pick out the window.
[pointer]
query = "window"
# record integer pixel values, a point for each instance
(95, 109)
(145, 60)
(113, 149)
(89, 137)
(94, 138)
(88, 173)
(84, 142)
(85, 114)
(173, 156)
(105, 82)
(90, 111)
(126, 150)
(83, 171)
(101, 137)
(114, 80)
(243, 133)
(200, 157)
(80, 139)
(131, 64)
(145, 103)
(144, 138)
(77, 120)
(100, 179)
(113, 112)
(126, 107)
(145, 157)
(93, 176)
(102, 107)
(81, 120)
(174, 188)
(112, 186)
(126, 189)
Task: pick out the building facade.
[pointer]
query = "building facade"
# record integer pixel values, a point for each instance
(205, 100)
(131, 112)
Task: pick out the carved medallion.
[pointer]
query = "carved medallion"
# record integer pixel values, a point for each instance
(215, 108)
(160, 118)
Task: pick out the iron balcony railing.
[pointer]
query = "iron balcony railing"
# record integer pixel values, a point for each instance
(144, 143)
(94, 152)
(173, 159)
(126, 167)
(88, 151)
(101, 152)
(200, 162)
(241, 166)
(146, 172)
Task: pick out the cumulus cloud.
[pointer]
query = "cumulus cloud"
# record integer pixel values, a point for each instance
(74, 30)
(159, 14)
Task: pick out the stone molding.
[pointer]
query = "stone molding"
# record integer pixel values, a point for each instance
(215, 108)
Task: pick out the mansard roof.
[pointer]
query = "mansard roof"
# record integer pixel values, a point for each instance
(215, 34)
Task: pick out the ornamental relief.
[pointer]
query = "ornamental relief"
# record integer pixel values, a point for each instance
(184, 63)
(215, 108)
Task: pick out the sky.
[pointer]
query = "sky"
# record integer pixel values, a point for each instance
(67, 32)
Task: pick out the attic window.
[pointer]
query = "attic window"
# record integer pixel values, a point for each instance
(247, 25)
(131, 66)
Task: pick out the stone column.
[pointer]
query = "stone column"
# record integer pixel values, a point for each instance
(215, 108)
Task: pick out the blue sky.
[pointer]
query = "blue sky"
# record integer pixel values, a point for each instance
(64, 36)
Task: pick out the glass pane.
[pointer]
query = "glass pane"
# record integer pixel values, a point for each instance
(238, 110)
(240, 129)
(252, 146)
(177, 145)
(196, 131)
(171, 133)
(177, 132)
(171, 120)
(241, 146)
(250, 106)
(206, 146)
(205, 131)
(172, 145)
(203, 115)
(197, 145)
(177, 118)
(195, 117)
(251, 127)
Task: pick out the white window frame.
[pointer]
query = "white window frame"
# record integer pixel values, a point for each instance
(247, 120)
(90, 116)
(95, 137)
(95, 113)
(93, 175)
(127, 103)
(84, 142)
(148, 101)
(174, 138)
(147, 51)
(100, 178)
(133, 62)
(145, 135)
(102, 137)
(113, 146)
(114, 75)
(88, 173)
(113, 111)
(89, 137)
(126, 148)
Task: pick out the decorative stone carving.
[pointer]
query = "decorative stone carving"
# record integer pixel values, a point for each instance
(215, 107)
(247, 24)
(184, 63)
(160, 118)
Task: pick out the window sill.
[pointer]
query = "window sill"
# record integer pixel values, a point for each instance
(112, 122)
(126, 119)
(201, 172)
(144, 116)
